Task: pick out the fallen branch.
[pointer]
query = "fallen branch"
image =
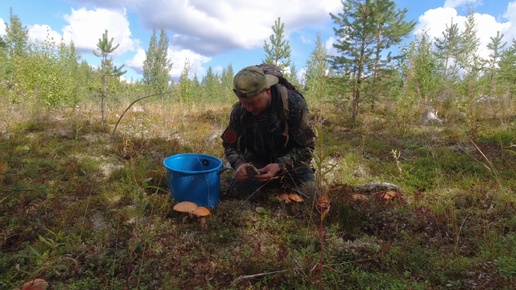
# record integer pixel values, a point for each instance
(137, 100)
(258, 275)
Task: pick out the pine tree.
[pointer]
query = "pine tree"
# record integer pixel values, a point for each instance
(17, 37)
(355, 35)
(278, 51)
(390, 29)
(157, 66)
(469, 60)
(68, 63)
(3, 60)
(185, 84)
(107, 68)
(292, 77)
(496, 46)
(15, 52)
(226, 80)
(449, 51)
(506, 77)
(150, 59)
(421, 71)
(211, 84)
(316, 67)
(365, 29)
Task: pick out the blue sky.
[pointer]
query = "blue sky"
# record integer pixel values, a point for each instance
(217, 33)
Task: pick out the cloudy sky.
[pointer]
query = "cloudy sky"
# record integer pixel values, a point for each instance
(217, 33)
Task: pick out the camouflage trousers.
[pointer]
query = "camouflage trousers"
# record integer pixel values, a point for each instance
(300, 179)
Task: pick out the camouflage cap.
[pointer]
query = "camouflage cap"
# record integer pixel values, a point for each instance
(251, 81)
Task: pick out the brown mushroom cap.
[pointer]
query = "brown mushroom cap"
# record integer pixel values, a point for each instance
(36, 284)
(295, 197)
(390, 195)
(284, 197)
(185, 206)
(201, 211)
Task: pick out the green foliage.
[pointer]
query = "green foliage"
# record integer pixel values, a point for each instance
(365, 30)
(107, 68)
(17, 36)
(507, 267)
(157, 66)
(278, 51)
(506, 76)
(3, 61)
(316, 86)
(422, 72)
(212, 84)
(185, 85)
(226, 80)
(448, 50)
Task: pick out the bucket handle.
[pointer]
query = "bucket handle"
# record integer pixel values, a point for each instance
(206, 162)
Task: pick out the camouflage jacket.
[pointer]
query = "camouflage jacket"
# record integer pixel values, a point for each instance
(286, 141)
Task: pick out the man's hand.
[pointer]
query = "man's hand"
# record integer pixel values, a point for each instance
(244, 171)
(268, 172)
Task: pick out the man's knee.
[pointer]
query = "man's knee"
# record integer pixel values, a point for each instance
(304, 179)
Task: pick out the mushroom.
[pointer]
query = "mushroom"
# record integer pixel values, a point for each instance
(284, 197)
(295, 197)
(390, 195)
(36, 284)
(202, 212)
(185, 206)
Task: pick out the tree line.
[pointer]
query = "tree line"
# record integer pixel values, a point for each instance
(372, 65)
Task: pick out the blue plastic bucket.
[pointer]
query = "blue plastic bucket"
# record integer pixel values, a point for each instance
(194, 177)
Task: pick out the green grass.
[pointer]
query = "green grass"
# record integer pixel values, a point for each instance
(87, 211)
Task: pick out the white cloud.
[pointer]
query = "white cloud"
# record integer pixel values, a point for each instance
(435, 21)
(181, 57)
(136, 62)
(43, 33)
(85, 28)
(210, 27)
(198, 29)
(332, 51)
(178, 57)
(2, 27)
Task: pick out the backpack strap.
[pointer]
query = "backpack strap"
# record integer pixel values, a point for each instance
(283, 87)
(283, 110)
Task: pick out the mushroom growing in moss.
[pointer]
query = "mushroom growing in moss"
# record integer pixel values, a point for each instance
(185, 206)
(284, 197)
(202, 212)
(295, 197)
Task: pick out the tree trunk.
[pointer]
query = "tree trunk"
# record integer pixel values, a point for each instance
(354, 106)
(103, 98)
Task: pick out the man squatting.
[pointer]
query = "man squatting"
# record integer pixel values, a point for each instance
(258, 135)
